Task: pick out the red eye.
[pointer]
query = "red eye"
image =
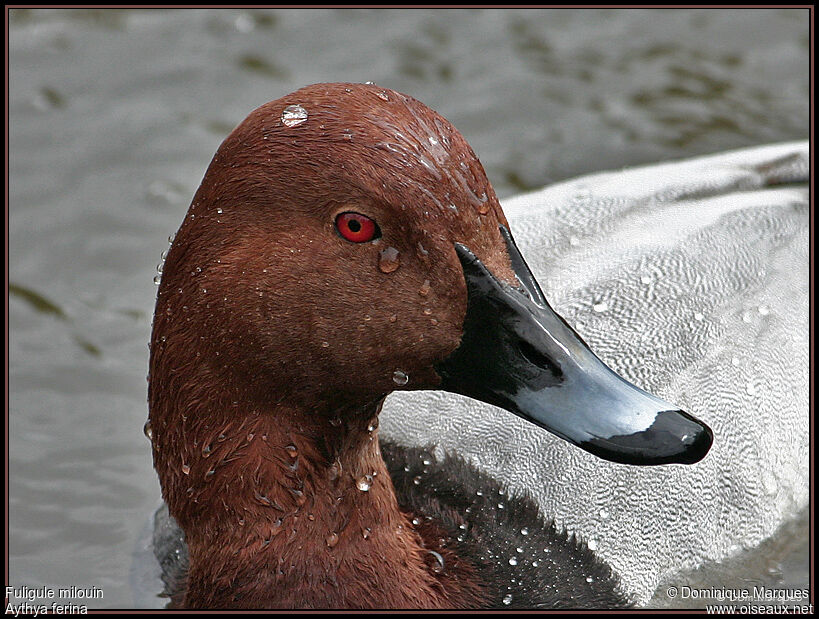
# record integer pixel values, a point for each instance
(357, 228)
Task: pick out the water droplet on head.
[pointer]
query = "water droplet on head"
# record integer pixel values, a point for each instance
(400, 378)
(600, 307)
(698, 316)
(424, 289)
(325, 344)
(332, 539)
(364, 483)
(589, 579)
(383, 96)
(148, 431)
(388, 260)
(592, 544)
(157, 279)
(292, 451)
(186, 469)
(293, 115)
(603, 513)
(334, 471)
(524, 531)
(416, 480)
(513, 561)
(507, 599)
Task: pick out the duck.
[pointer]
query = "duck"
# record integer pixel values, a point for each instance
(345, 243)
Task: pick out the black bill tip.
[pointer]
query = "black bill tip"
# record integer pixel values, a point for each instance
(675, 437)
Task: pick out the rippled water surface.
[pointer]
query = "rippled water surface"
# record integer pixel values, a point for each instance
(114, 116)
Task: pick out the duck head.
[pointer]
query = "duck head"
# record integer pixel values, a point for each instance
(345, 242)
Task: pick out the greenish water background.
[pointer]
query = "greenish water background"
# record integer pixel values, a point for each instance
(115, 114)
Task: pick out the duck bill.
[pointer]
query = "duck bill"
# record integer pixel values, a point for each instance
(518, 353)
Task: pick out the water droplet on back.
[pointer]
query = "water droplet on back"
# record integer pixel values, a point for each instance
(438, 565)
(364, 483)
(400, 378)
(148, 431)
(332, 539)
(294, 115)
(507, 599)
(600, 307)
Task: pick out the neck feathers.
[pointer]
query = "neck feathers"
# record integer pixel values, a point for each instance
(280, 509)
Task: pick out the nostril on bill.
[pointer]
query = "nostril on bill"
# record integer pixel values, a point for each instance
(535, 357)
